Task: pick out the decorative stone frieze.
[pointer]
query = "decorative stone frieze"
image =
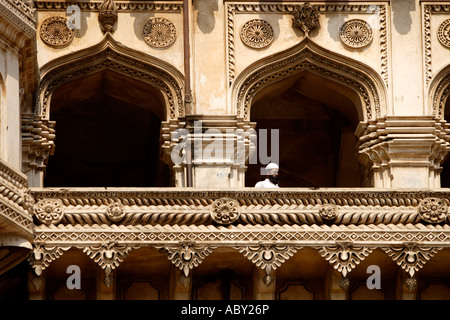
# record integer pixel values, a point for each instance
(306, 17)
(55, 32)
(159, 33)
(257, 33)
(49, 211)
(356, 33)
(225, 211)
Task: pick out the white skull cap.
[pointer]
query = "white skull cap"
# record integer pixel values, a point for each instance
(272, 166)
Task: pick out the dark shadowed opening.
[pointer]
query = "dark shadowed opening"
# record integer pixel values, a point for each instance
(316, 119)
(107, 134)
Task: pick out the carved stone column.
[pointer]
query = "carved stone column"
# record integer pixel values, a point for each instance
(105, 292)
(404, 289)
(36, 286)
(403, 151)
(180, 284)
(334, 287)
(220, 147)
(261, 288)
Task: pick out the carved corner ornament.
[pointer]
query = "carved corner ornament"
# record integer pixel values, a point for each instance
(49, 211)
(344, 257)
(108, 256)
(186, 255)
(225, 211)
(268, 257)
(42, 255)
(306, 17)
(433, 210)
(107, 16)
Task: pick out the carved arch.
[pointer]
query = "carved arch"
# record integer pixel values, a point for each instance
(365, 83)
(111, 55)
(439, 91)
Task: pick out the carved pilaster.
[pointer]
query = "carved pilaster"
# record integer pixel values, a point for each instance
(38, 136)
(403, 151)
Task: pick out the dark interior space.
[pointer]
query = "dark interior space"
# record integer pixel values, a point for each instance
(107, 134)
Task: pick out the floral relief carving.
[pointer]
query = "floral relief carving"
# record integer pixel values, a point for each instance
(356, 33)
(257, 33)
(328, 212)
(49, 211)
(225, 210)
(107, 16)
(306, 17)
(55, 32)
(443, 33)
(159, 33)
(187, 255)
(42, 256)
(433, 210)
(115, 211)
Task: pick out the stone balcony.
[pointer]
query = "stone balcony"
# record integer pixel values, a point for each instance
(267, 226)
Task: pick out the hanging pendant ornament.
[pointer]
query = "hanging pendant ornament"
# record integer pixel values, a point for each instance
(107, 16)
(306, 17)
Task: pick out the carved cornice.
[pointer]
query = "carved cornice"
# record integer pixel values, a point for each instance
(122, 6)
(181, 207)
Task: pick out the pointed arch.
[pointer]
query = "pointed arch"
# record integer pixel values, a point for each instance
(366, 86)
(439, 91)
(109, 54)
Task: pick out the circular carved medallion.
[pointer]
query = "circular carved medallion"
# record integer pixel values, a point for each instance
(257, 33)
(433, 210)
(328, 212)
(159, 32)
(115, 211)
(49, 211)
(225, 210)
(356, 33)
(444, 33)
(55, 32)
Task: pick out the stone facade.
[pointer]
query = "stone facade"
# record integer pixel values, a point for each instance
(132, 138)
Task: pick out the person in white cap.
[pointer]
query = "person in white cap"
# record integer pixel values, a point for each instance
(272, 177)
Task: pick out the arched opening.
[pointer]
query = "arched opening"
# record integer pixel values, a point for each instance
(107, 133)
(316, 119)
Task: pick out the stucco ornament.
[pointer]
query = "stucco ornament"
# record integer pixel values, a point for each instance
(306, 17)
(356, 33)
(107, 16)
(49, 211)
(115, 211)
(433, 210)
(257, 33)
(159, 33)
(55, 32)
(225, 210)
(443, 33)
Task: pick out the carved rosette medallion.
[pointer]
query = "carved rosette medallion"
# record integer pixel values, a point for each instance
(49, 211)
(444, 33)
(55, 32)
(356, 33)
(328, 212)
(225, 210)
(306, 17)
(433, 210)
(159, 33)
(257, 33)
(115, 211)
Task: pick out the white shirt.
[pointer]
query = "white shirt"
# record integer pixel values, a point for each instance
(266, 184)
